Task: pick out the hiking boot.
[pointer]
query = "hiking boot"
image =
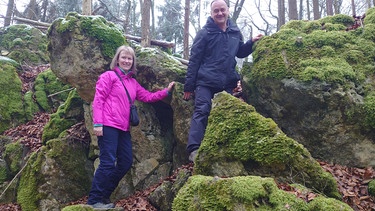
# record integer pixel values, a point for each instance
(100, 205)
(193, 155)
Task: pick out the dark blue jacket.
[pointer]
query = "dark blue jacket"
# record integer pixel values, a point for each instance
(212, 57)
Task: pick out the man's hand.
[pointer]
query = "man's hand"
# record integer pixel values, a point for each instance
(254, 39)
(187, 95)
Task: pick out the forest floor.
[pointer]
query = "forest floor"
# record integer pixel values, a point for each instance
(352, 182)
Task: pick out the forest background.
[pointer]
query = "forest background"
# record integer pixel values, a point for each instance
(178, 21)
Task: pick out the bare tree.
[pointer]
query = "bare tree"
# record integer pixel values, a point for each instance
(281, 13)
(8, 16)
(329, 6)
(186, 29)
(265, 29)
(293, 13)
(237, 10)
(145, 24)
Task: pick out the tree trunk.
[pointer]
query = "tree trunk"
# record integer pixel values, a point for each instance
(152, 17)
(329, 6)
(31, 10)
(353, 8)
(145, 24)
(300, 15)
(336, 6)
(281, 13)
(186, 30)
(293, 13)
(8, 16)
(237, 10)
(308, 10)
(44, 9)
(316, 9)
(86, 7)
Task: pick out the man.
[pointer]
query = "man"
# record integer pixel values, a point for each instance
(211, 67)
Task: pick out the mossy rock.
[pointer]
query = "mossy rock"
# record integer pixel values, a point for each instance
(239, 141)
(11, 103)
(68, 114)
(320, 51)
(242, 193)
(328, 204)
(110, 36)
(50, 92)
(59, 171)
(13, 155)
(25, 44)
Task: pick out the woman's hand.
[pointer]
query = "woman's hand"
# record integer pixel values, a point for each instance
(98, 131)
(170, 86)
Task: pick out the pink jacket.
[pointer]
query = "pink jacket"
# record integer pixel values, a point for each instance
(111, 106)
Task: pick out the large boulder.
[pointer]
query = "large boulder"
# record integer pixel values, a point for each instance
(240, 142)
(80, 48)
(316, 81)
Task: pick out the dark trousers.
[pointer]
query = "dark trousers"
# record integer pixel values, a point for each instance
(116, 158)
(199, 120)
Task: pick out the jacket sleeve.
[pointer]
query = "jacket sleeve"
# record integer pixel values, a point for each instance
(149, 97)
(103, 88)
(245, 49)
(196, 56)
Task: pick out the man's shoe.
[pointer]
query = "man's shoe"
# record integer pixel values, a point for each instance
(103, 206)
(193, 155)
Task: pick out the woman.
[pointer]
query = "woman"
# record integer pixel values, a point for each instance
(111, 111)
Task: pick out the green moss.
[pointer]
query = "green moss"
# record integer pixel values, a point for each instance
(66, 115)
(342, 19)
(27, 194)
(47, 84)
(328, 204)
(311, 26)
(369, 32)
(369, 110)
(13, 156)
(237, 133)
(31, 107)
(334, 27)
(11, 111)
(332, 70)
(109, 36)
(25, 44)
(293, 24)
(370, 17)
(78, 207)
(71, 159)
(3, 174)
(236, 193)
(371, 187)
